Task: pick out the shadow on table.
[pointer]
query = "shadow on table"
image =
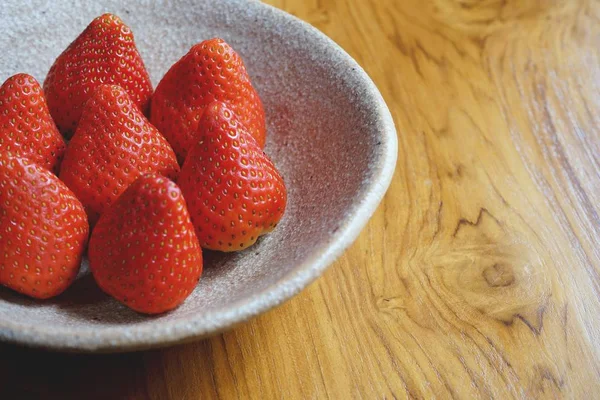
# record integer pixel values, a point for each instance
(36, 374)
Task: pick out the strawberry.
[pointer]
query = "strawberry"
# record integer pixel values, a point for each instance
(143, 251)
(210, 71)
(104, 53)
(43, 229)
(114, 145)
(233, 191)
(26, 127)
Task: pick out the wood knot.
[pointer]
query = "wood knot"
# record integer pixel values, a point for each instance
(499, 275)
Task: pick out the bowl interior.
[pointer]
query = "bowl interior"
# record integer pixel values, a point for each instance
(326, 128)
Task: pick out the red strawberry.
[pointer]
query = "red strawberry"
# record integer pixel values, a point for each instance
(233, 191)
(143, 251)
(43, 229)
(104, 53)
(26, 127)
(210, 71)
(114, 145)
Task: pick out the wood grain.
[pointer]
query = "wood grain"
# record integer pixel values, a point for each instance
(479, 275)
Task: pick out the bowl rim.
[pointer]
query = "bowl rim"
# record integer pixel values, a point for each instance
(132, 338)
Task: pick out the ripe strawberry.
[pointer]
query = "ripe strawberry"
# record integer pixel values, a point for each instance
(233, 191)
(26, 127)
(210, 71)
(104, 53)
(143, 251)
(114, 145)
(43, 229)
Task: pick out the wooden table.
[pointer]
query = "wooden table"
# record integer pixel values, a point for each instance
(479, 275)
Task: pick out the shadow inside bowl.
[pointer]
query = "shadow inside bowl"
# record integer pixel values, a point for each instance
(85, 301)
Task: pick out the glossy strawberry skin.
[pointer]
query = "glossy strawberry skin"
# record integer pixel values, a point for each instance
(26, 127)
(104, 53)
(143, 251)
(114, 145)
(233, 191)
(210, 71)
(43, 229)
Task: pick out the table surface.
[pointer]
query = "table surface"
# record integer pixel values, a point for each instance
(478, 276)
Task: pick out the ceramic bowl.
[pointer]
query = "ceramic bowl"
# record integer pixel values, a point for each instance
(330, 134)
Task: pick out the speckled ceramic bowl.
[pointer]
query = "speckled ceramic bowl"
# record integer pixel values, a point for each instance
(330, 133)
